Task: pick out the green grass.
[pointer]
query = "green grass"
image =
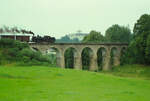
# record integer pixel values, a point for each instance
(134, 71)
(39, 83)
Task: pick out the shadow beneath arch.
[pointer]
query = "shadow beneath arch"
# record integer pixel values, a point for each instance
(70, 57)
(123, 56)
(113, 55)
(101, 54)
(86, 55)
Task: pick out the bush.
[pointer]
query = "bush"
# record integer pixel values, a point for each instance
(9, 43)
(15, 51)
(31, 56)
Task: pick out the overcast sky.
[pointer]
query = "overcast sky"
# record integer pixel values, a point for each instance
(60, 17)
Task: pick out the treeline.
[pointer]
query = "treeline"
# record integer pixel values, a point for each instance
(66, 39)
(115, 33)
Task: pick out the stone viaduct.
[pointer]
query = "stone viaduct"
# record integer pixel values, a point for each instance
(61, 48)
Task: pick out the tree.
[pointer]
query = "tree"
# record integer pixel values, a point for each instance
(93, 37)
(139, 48)
(66, 39)
(142, 25)
(117, 33)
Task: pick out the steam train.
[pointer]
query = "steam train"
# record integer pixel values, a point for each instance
(40, 39)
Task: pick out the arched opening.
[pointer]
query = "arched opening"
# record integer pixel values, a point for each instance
(113, 55)
(70, 55)
(123, 56)
(101, 53)
(54, 56)
(86, 55)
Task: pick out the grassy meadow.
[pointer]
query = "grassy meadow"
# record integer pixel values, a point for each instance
(39, 83)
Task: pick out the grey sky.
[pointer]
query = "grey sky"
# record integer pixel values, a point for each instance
(60, 17)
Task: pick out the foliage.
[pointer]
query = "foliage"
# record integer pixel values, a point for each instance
(134, 71)
(142, 25)
(117, 33)
(148, 48)
(138, 51)
(94, 37)
(86, 59)
(123, 59)
(100, 59)
(52, 58)
(66, 39)
(69, 58)
(15, 51)
(9, 43)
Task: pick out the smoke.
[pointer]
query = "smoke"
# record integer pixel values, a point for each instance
(6, 29)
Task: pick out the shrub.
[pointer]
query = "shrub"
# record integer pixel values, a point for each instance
(15, 51)
(9, 43)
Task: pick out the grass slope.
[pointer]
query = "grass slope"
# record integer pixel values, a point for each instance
(134, 71)
(54, 84)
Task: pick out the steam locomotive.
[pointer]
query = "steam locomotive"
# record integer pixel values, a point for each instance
(40, 39)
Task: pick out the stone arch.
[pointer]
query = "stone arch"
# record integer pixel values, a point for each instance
(55, 55)
(122, 55)
(101, 54)
(113, 55)
(69, 46)
(87, 55)
(70, 55)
